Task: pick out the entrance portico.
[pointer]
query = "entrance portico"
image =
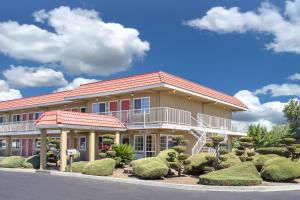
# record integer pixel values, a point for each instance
(69, 123)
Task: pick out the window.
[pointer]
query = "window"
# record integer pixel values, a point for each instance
(37, 143)
(99, 107)
(16, 143)
(165, 142)
(16, 118)
(82, 143)
(74, 109)
(37, 115)
(2, 144)
(30, 116)
(3, 119)
(125, 139)
(83, 109)
(139, 142)
(150, 145)
(141, 104)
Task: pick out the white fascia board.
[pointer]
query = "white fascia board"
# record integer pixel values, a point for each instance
(66, 126)
(134, 89)
(202, 96)
(35, 105)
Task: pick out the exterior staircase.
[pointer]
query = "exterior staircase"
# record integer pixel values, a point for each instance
(200, 144)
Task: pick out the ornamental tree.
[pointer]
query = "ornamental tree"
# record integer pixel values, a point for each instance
(217, 142)
(244, 150)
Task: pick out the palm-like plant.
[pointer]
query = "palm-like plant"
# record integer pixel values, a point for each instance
(125, 152)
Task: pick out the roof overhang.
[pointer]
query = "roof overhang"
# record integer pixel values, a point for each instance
(79, 127)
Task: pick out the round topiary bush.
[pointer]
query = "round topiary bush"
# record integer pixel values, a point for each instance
(165, 155)
(103, 167)
(150, 168)
(197, 164)
(280, 151)
(280, 169)
(77, 166)
(12, 162)
(260, 160)
(32, 162)
(237, 175)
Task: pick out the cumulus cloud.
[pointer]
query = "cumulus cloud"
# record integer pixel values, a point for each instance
(6, 93)
(267, 114)
(283, 26)
(277, 90)
(294, 77)
(81, 41)
(75, 83)
(22, 77)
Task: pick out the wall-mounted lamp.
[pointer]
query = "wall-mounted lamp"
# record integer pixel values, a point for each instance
(132, 94)
(174, 91)
(97, 99)
(189, 98)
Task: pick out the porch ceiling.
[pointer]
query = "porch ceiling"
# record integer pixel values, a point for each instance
(81, 121)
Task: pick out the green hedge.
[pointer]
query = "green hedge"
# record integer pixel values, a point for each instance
(32, 162)
(260, 160)
(12, 162)
(103, 167)
(150, 168)
(165, 155)
(197, 164)
(237, 175)
(280, 151)
(231, 159)
(280, 169)
(77, 167)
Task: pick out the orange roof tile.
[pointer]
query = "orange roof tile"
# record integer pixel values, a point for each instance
(148, 80)
(45, 99)
(58, 117)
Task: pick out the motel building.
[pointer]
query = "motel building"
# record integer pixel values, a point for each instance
(143, 110)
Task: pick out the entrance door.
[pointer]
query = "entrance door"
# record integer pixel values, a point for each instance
(125, 106)
(27, 147)
(113, 108)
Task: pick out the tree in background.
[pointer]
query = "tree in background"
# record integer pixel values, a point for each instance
(292, 114)
(257, 134)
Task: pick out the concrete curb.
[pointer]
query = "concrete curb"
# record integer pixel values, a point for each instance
(277, 188)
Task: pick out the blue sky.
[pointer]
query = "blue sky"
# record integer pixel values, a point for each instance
(230, 59)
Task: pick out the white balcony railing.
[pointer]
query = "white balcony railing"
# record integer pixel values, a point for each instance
(17, 126)
(208, 121)
(151, 116)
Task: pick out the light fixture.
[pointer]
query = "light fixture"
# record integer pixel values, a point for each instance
(132, 94)
(174, 91)
(189, 98)
(97, 99)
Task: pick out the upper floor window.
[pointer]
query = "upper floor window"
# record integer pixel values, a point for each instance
(16, 118)
(3, 119)
(83, 109)
(37, 115)
(99, 107)
(141, 104)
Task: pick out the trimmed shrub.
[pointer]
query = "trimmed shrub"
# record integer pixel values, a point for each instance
(197, 164)
(102, 155)
(103, 167)
(12, 162)
(237, 175)
(231, 159)
(125, 152)
(150, 168)
(32, 162)
(280, 169)
(259, 160)
(77, 166)
(280, 151)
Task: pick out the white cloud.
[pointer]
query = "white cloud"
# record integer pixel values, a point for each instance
(294, 77)
(81, 42)
(22, 77)
(267, 114)
(6, 93)
(283, 26)
(277, 90)
(76, 83)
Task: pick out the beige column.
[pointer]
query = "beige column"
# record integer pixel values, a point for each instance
(71, 139)
(8, 146)
(117, 138)
(43, 149)
(63, 149)
(92, 144)
(157, 143)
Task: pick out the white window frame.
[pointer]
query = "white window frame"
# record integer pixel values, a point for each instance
(98, 103)
(134, 143)
(4, 117)
(144, 151)
(20, 142)
(3, 141)
(34, 143)
(12, 118)
(140, 111)
(40, 114)
(84, 108)
(167, 140)
(79, 146)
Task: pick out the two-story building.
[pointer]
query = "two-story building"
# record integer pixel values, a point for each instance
(142, 110)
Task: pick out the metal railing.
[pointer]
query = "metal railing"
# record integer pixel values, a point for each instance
(17, 126)
(151, 116)
(208, 121)
(199, 144)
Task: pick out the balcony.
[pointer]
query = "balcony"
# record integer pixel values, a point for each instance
(161, 117)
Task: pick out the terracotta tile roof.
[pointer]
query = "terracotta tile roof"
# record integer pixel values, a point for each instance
(57, 117)
(50, 98)
(148, 80)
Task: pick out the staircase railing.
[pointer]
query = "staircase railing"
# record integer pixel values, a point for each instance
(199, 144)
